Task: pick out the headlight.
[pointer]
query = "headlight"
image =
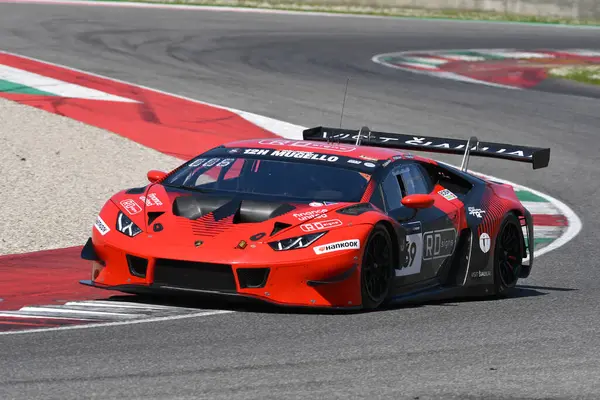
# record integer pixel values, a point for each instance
(298, 242)
(126, 226)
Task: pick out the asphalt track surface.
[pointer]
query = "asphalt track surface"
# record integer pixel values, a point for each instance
(542, 343)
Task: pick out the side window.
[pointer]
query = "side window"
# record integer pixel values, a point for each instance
(415, 180)
(392, 192)
(377, 198)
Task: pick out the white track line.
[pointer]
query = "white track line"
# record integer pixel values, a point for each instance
(43, 311)
(105, 324)
(289, 131)
(117, 304)
(18, 314)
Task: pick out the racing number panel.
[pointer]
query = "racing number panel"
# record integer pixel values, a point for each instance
(431, 234)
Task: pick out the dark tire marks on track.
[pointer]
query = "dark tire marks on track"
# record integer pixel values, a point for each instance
(539, 344)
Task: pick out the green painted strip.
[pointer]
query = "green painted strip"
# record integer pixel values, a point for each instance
(11, 87)
(538, 241)
(474, 54)
(524, 195)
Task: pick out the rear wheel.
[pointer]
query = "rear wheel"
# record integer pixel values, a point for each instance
(377, 271)
(508, 255)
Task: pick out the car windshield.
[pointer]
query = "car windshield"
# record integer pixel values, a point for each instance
(288, 179)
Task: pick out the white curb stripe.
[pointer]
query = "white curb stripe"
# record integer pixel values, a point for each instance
(116, 304)
(456, 57)
(104, 324)
(42, 311)
(428, 60)
(55, 86)
(515, 54)
(547, 232)
(417, 65)
(581, 52)
(19, 314)
(536, 207)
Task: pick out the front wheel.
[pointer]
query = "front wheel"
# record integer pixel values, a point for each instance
(508, 255)
(377, 271)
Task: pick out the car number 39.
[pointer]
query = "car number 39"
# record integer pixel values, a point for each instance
(414, 246)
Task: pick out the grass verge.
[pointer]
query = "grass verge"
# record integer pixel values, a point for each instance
(422, 13)
(583, 74)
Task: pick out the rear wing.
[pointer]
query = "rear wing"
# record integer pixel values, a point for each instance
(538, 157)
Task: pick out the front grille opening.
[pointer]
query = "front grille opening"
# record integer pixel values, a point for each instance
(252, 277)
(137, 266)
(194, 275)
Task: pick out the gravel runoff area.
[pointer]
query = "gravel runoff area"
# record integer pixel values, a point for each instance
(589, 74)
(56, 175)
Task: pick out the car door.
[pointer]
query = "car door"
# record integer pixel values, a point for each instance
(431, 235)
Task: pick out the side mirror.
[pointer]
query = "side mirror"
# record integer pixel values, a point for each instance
(155, 176)
(418, 201)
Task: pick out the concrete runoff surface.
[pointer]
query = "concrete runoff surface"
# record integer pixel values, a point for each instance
(539, 344)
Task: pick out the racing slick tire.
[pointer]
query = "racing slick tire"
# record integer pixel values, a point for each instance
(377, 270)
(508, 255)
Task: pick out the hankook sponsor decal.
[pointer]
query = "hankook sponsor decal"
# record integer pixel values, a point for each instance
(352, 244)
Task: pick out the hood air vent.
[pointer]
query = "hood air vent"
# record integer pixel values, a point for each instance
(194, 207)
(279, 226)
(251, 211)
(152, 215)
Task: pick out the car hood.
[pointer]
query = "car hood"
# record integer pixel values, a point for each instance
(223, 221)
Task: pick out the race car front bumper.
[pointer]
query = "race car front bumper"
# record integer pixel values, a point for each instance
(332, 281)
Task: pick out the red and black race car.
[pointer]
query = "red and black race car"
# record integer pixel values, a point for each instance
(341, 219)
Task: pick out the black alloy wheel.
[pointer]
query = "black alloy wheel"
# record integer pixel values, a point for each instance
(508, 256)
(377, 270)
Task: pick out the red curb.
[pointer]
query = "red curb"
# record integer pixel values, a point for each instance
(45, 277)
(550, 220)
(169, 124)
